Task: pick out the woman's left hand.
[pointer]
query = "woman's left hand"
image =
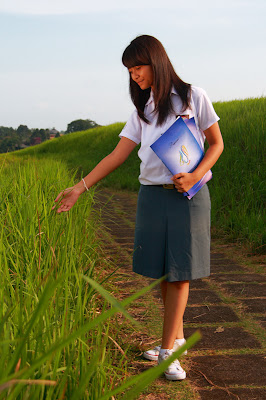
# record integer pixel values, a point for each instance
(184, 181)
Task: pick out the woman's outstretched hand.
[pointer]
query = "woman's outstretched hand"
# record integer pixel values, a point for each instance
(184, 181)
(67, 198)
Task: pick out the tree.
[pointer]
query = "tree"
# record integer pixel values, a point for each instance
(23, 131)
(80, 125)
(7, 132)
(8, 144)
(44, 135)
(34, 135)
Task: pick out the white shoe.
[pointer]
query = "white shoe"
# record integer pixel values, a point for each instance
(154, 353)
(174, 372)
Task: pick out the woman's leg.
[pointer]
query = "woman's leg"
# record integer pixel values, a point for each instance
(175, 296)
(180, 332)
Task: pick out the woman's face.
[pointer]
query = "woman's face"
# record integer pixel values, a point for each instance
(142, 75)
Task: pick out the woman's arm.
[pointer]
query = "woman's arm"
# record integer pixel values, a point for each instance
(69, 196)
(184, 181)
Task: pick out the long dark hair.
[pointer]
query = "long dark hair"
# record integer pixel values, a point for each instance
(147, 50)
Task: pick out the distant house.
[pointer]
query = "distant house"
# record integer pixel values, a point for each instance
(53, 132)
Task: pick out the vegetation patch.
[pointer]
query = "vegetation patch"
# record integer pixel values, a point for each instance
(238, 185)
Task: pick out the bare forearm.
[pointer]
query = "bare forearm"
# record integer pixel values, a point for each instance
(208, 161)
(69, 196)
(216, 146)
(104, 168)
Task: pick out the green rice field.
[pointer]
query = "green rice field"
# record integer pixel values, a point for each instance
(55, 315)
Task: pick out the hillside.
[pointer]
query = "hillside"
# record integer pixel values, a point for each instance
(237, 187)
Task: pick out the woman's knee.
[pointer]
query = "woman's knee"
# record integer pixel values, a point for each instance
(180, 284)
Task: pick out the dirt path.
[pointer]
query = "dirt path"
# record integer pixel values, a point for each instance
(228, 308)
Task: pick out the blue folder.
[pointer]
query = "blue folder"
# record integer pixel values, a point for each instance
(180, 151)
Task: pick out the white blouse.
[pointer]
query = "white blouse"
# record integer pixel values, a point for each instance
(152, 169)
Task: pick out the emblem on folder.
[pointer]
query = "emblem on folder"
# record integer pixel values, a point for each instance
(184, 157)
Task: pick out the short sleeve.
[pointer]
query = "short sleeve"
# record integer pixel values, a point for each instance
(205, 111)
(132, 129)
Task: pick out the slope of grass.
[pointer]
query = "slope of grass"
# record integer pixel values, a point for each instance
(237, 187)
(83, 150)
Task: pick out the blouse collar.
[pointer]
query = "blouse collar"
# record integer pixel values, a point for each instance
(151, 98)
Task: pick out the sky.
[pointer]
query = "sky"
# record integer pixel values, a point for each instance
(60, 60)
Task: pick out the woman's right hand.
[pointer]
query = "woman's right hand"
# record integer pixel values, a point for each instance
(68, 198)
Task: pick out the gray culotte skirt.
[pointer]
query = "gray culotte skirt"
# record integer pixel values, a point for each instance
(172, 234)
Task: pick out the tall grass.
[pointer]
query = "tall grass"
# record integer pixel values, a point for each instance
(238, 184)
(44, 299)
(238, 187)
(55, 330)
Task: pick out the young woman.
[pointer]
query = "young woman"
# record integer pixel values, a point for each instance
(172, 233)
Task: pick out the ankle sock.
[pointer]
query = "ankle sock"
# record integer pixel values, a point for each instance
(163, 351)
(180, 341)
